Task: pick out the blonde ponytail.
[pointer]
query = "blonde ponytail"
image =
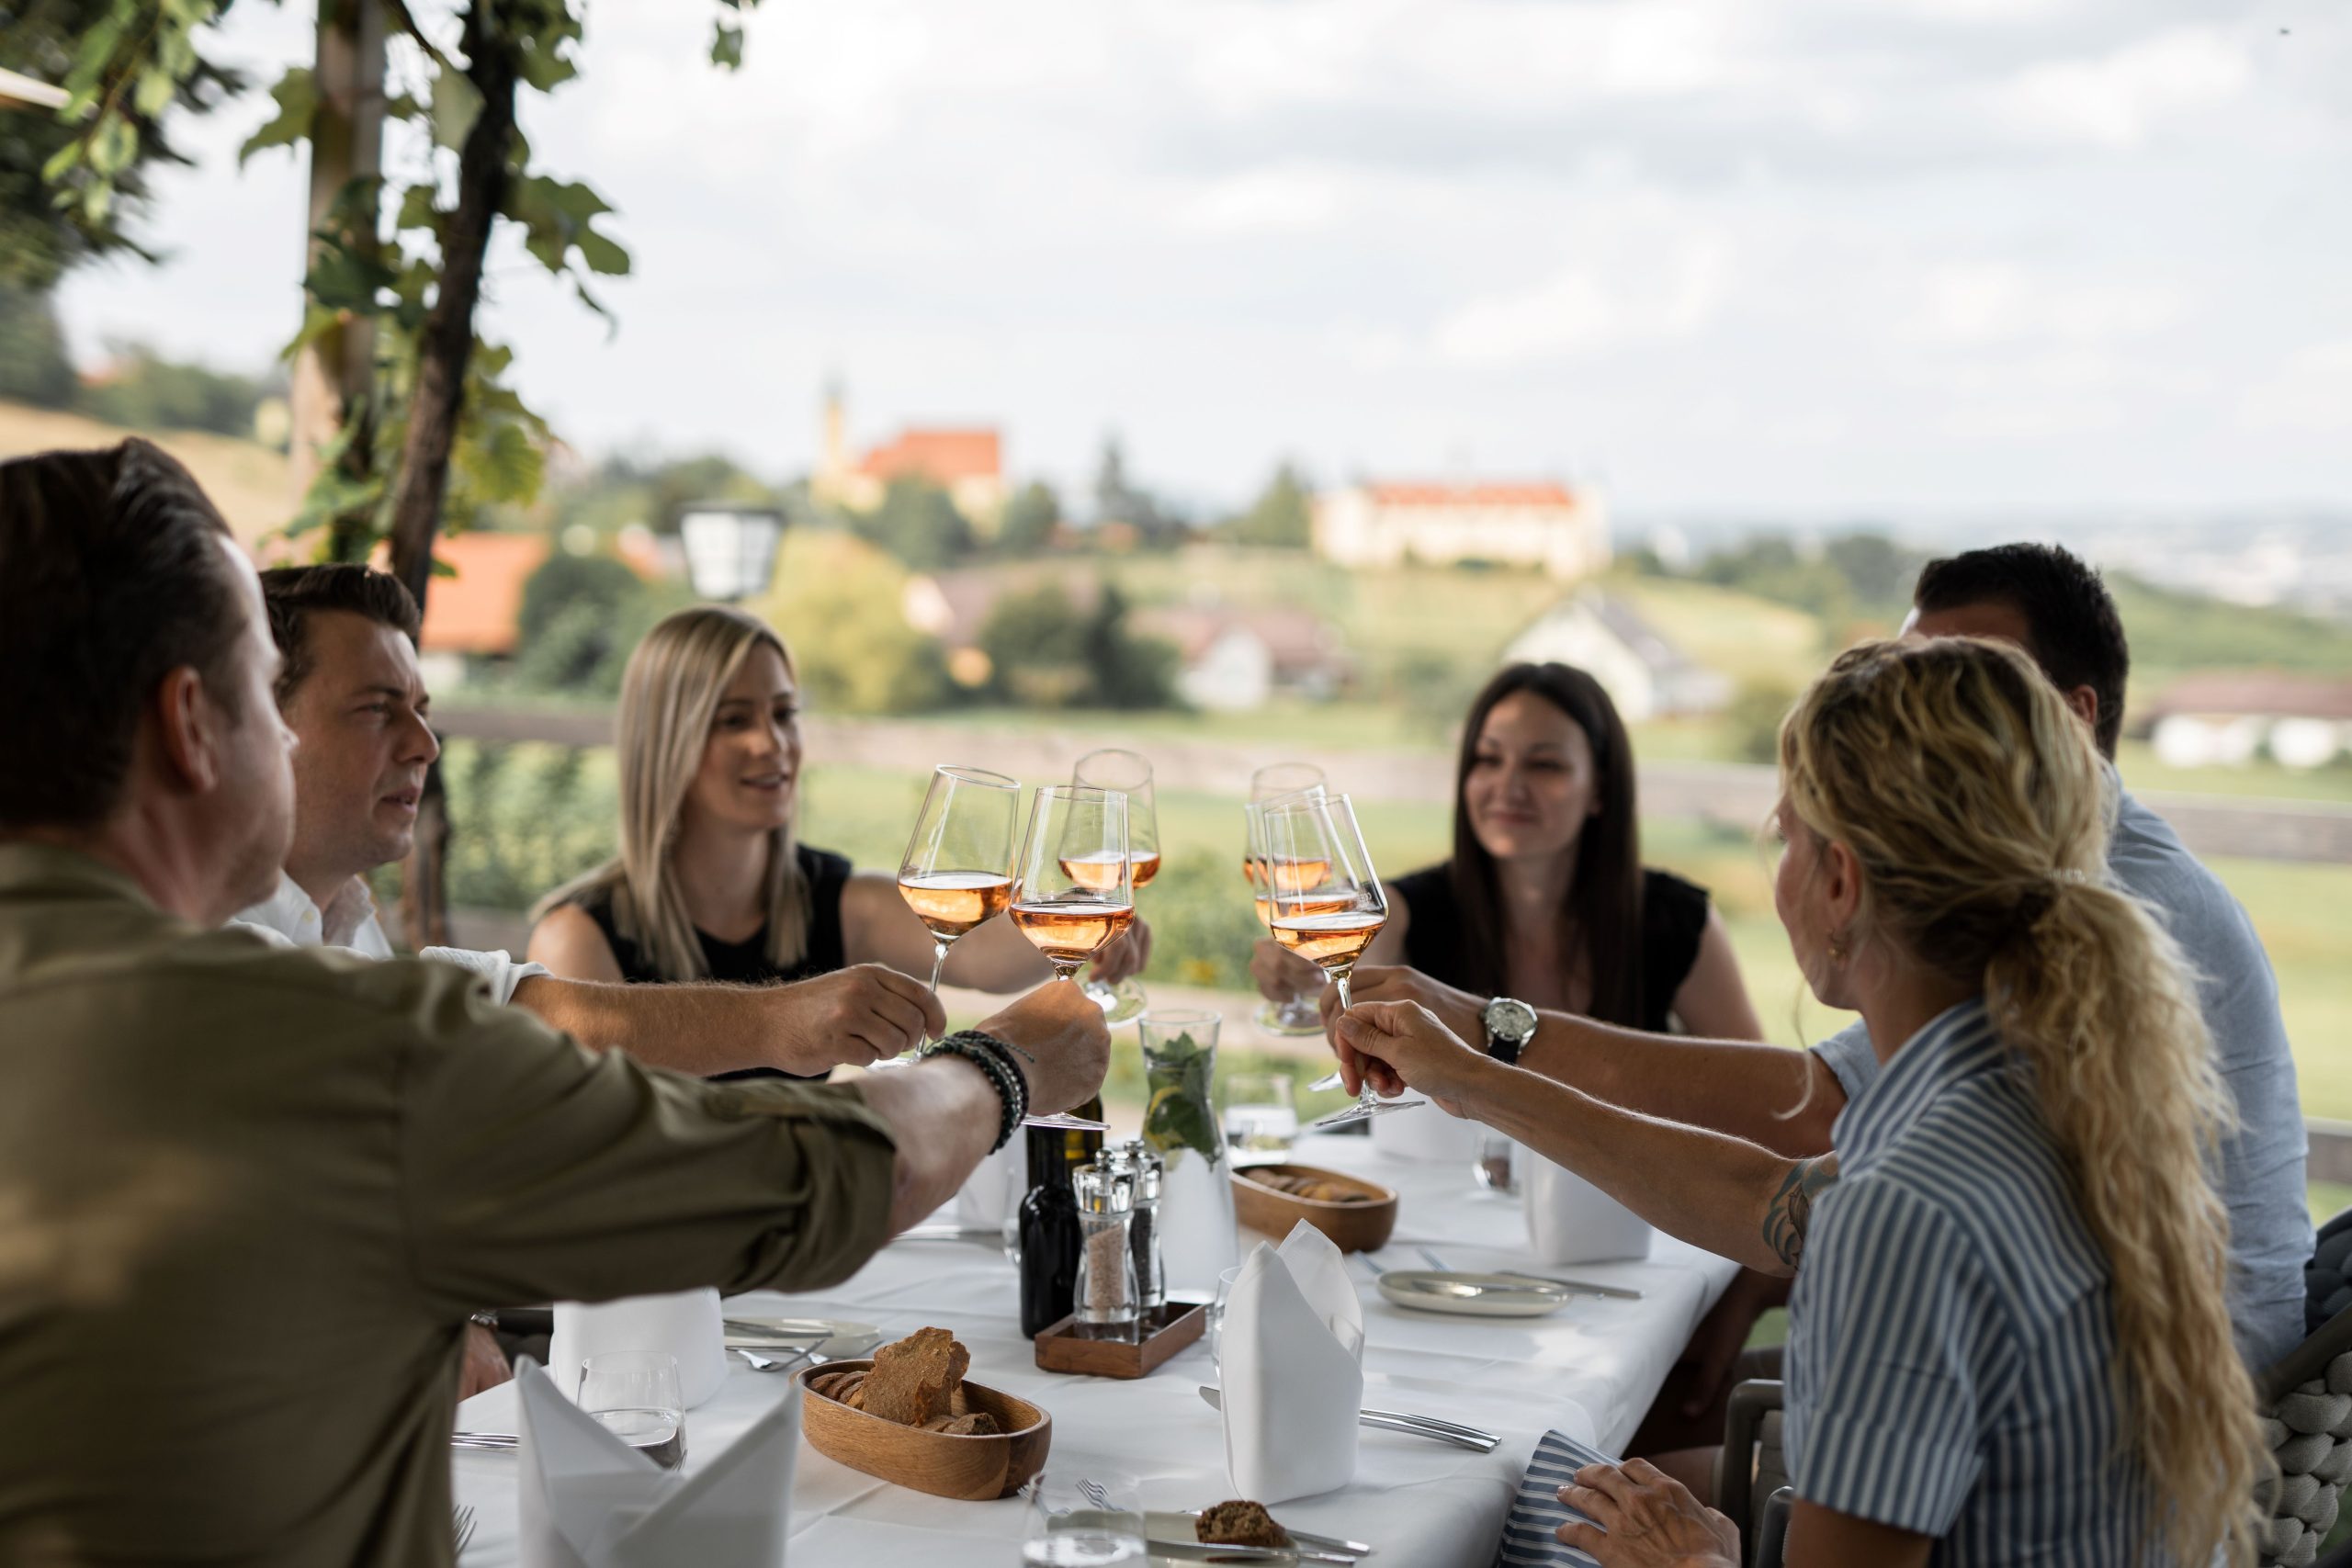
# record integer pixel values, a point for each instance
(1979, 812)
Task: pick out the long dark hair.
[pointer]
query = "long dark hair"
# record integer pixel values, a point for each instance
(1602, 910)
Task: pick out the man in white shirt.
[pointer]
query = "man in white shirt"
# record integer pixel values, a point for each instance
(351, 691)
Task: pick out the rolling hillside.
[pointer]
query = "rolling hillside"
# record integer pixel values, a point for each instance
(250, 483)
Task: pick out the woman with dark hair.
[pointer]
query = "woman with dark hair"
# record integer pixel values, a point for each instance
(1545, 898)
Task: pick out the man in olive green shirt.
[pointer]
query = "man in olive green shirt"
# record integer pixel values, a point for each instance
(248, 1194)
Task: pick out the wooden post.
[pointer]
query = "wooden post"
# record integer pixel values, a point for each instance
(347, 143)
(421, 481)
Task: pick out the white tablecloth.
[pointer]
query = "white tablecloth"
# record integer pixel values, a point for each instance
(1590, 1370)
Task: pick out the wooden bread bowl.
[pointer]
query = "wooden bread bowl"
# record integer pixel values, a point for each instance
(1352, 1227)
(977, 1470)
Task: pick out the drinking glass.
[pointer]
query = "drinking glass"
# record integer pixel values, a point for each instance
(1298, 1016)
(634, 1395)
(1130, 775)
(1259, 1117)
(1082, 1518)
(1271, 883)
(1327, 902)
(1493, 1165)
(1076, 888)
(957, 871)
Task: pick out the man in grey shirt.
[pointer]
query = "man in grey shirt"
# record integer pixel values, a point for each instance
(2050, 603)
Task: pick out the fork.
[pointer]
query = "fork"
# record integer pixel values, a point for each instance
(463, 1524)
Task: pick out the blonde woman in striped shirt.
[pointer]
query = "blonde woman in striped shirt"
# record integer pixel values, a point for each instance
(2010, 1342)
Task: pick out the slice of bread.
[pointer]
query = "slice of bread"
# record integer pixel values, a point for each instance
(1240, 1524)
(915, 1379)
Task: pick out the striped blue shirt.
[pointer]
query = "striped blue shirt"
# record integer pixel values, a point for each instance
(1951, 1337)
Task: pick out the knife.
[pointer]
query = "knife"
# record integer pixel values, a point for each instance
(987, 1235)
(1622, 1292)
(781, 1328)
(1200, 1551)
(1306, 1538)
(1206, 1552)
(1398, 1421)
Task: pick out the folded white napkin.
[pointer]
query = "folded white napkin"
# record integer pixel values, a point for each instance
(587, 1500)
(684, 1324)
(1571, 1221)
(1291, 1361)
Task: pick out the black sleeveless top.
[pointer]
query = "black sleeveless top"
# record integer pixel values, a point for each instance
(746, 963)
(1674, 916)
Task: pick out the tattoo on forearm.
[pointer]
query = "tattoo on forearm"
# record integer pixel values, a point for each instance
(1790, 1214)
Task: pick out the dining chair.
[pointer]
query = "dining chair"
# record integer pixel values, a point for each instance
(1752, 1471)
(2307, 1421)
(2306, 1400)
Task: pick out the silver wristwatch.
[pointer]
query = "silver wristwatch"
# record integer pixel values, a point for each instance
(1509, 1025)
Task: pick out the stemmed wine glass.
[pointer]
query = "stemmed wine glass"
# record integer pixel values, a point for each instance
(1280, 780)
(1128, 773)
(957, 871)
(1327, 901)
(1076, 888)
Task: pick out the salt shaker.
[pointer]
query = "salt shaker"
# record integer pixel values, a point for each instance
(1106, 1268)
(1151, 1273)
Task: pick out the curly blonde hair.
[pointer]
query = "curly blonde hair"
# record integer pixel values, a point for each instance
(1979, 812)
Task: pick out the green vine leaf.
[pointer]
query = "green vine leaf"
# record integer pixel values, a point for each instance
(457, 104)
(297, 93)
(727, 47)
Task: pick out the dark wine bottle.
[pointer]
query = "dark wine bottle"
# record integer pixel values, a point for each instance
(1050, 1234)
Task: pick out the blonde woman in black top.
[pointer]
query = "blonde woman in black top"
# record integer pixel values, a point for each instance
(712, 882)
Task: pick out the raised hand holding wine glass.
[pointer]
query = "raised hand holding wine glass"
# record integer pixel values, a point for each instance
(1128, 773)
(1327, 902)
(1286, 1010)
(1074, 891)
(957, 872)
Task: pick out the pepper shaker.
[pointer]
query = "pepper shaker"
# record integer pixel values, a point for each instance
(1151, 1272)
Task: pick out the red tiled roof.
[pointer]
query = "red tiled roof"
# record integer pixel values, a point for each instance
(942, 456)
(1545, 494)
(476, 611)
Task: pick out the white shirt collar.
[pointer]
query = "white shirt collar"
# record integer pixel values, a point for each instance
(349, 919)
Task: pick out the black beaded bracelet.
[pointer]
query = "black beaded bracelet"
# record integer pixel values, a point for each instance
(994, 1058)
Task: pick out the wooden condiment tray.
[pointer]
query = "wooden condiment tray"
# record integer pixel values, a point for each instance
(1164, 1331)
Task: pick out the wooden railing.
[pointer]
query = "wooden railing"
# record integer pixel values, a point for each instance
(1736, 794)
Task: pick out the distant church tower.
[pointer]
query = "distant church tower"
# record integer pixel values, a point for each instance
(833, 449)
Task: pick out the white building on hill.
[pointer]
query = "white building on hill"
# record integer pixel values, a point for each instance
(2227, 717)
(1647, 676)
(1545, 524)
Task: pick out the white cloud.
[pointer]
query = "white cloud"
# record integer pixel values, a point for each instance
(1284, 198)
(1816, 252)
(2116, 100)
(2003, 302)
(2311, 393)
(1672, 294)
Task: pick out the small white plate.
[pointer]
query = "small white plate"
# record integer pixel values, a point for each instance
(1472, 1295)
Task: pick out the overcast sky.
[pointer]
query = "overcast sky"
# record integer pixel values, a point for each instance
(1780, 257)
